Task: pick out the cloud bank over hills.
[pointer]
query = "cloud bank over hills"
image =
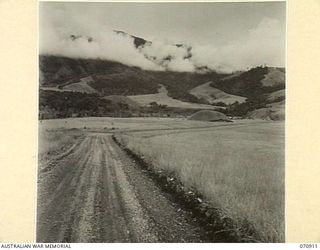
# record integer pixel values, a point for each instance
(64, 32)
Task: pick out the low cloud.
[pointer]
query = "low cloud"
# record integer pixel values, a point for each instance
(265, 44)
(168, 55)
(104, 45)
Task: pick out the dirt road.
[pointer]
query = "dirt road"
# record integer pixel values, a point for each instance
(95, 193)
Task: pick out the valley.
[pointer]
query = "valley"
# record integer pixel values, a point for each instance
(156, 146)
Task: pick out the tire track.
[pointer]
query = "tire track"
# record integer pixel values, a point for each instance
(56, 216)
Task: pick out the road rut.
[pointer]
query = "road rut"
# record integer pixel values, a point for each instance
(96, 193)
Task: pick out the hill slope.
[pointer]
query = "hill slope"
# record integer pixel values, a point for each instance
(213, 95)
(162, 98)
(250, 90)
(112, 78)
(109, 77)
(274, 76)
(254, 82)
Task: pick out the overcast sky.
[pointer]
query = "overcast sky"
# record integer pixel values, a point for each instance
(243, 33)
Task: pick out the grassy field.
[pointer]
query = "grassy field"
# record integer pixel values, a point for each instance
(125, 124)
(239, 169)
(53, 142)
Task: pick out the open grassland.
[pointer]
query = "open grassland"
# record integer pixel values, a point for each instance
(129, 124)
(54, 141)
(239, 169)
(55, 135)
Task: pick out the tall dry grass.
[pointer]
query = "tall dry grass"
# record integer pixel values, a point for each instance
(55, 141)
(240, 170)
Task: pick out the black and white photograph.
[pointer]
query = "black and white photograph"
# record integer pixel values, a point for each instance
(161, 122)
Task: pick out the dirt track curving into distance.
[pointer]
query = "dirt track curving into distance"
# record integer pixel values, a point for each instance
(96, 193)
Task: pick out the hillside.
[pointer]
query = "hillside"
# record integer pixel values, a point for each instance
(274, 111)
(278, 95)
(237, 94)
(213, 95)
(254, 82)
(113, 78)
(162, 98)
(257, 85)
(109, 77)
(123, 101)
(82, 86)
(274, 77)
(240, 92)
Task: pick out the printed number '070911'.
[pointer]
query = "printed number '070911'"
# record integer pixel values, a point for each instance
(308, 245)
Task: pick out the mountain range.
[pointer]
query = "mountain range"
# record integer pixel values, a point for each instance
(248, 90)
